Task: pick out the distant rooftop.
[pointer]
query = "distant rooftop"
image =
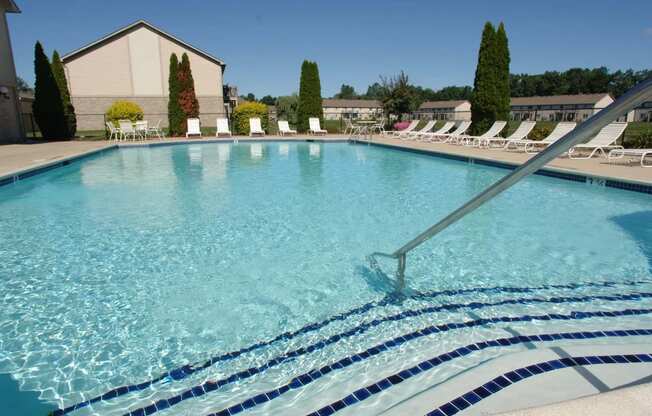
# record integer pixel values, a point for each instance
(351, 103)
(9, 6)
(559, 99)
(441, 104)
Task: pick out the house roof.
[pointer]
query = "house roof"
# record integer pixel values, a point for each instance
(351, 103)
(441, 104)
(138, 24)
(559, 99)
(9, 6)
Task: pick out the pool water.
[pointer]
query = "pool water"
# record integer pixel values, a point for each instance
(126, 265)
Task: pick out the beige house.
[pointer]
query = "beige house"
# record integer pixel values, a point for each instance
(11, 128)
(336, 109)
(559, 107)
(444, 110)
(132, 64)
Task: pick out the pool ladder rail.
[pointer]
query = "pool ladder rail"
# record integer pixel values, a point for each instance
(627, 102)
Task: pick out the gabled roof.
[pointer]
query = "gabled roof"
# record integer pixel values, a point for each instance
(342, 103)
(441, 104)
(559, 99)
(140, 23)
(9, 6)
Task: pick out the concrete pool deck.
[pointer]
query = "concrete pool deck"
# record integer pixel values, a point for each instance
(16, 158)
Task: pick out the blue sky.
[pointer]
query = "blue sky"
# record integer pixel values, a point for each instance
(264, 42)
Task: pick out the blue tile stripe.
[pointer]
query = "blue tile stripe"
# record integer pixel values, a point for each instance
(307, 378)
(473, 397)
(387, 382)
(188, 369)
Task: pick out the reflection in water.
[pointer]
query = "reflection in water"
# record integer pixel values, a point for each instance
(639, 227)
(360, 154)
(223, 152)
(256, 150)
(194, 153)
(310, 167)
(283, 150)
(315, 150)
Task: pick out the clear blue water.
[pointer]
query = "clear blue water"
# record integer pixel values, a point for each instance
(126, 265)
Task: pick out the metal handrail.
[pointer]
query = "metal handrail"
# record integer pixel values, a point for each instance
(631, 99)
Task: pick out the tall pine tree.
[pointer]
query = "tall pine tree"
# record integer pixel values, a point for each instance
(47, 107)
(483, 100)
(503, 92)
(175, 113)
(68, 109)
(310, 101)
(187, 98)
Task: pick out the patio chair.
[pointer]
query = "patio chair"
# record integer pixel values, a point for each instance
(314, 127)
(442, 130)
(493, 131)
(284, 128)
(141, 128)
(452, 136)
(127, 129)
(534, 146)
(413, 125)
(519, 134)
(602, 141)
(156, 130)
(350, 128)
(414, 133)
(255, 127)
(222, 127)
(113, 131)
(193, 128)
(616, 154)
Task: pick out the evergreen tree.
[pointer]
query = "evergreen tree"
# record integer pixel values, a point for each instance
(310, 102)
(175, 113)
(187, 99)
(68, 109)
(483, 100)
(503, 93)
(47, 106)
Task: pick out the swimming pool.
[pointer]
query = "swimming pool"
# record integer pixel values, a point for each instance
(130, 264)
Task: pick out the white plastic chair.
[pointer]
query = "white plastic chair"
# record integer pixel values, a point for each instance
(155, 130)
(141, 128)
(602, 141)
(493, 131)
(520, 133)
(442, 130)
(533, 146)
(454, 135)
(113, 131)
(255, 128)
(284, 128)
(314, 126)
(193, 127)
(222, 127)
(127, 129)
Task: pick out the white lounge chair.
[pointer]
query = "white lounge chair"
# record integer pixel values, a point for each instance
(113, 131)
(127, 129)
(617, 154)
(519, 134)
(602, 141)
(452, 136)
(534, 146)
(413, 125)
(193, 127)
(142, 128)
(493, 131)
(414, 133)
(255, 127)
(314, 127)
(284, 128)
(222, 127)
(442, 130)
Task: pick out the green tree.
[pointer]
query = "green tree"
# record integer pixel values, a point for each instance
(251, 97)
(187, 98)
(48, 106)
(397, 95)
(68, 109)
(310, 102)
(374, 92)
(23, 86)
(483, 101)
(346, 92)
(175, 113)
(268, 100)
(286, 108)
(503, 95)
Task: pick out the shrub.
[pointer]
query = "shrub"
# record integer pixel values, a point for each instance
(187, 99)
(48, 106)
(310, 103)
(68, 109)
(124, 110)
(541, 129)
(244, 112)
(401, 125)
(175, 113)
